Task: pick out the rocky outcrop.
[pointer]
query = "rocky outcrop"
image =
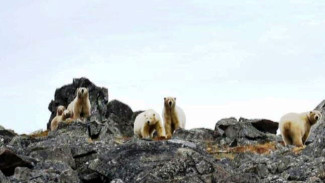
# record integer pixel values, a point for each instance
(245, 131)
(103, 149)
(120, 118)
(116, 117)
(160, 161)
(6, 136)
(98, 98)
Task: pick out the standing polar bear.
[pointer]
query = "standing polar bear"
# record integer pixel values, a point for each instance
(146, 123)
(174, 117)
(80, 106)
(295, 127)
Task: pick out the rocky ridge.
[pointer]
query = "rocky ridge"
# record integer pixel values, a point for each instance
(104, 150)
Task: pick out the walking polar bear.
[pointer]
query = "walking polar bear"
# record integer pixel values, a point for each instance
(295, 127)
(146, 123)
(174, 116)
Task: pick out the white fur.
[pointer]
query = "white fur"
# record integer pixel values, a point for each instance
(143, 118)
(180, 114)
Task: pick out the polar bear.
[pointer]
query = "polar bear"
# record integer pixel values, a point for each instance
(80, 106)
(67, 116)
(60, 109)
(55, 121)
(146, 123)
(295, 127)
(174, 116)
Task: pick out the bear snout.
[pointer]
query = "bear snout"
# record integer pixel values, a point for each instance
(170, 103)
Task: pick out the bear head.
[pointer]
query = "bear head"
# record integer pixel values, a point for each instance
(151, 117)
(170, 102)
(82, 92)
(67, 114)
(314, 116)
(59, 110)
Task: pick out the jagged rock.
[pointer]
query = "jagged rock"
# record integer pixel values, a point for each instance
(195, 135)
(239, 132)
(242, 178)
(102, 149)
(6, 135)
(120, 127)
(98, 98)
(57, 153)
(120, 118)
(263, 125)
(117, 181)
(160, 161)
(9, 161)
(120, 109)
(47, 171)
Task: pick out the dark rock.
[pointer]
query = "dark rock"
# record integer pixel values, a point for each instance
(47, 171)
(6, 135)
(94, 129)
(98, 98)
(134, 115)
(242, 132)
(161, 161)
(117, 181)
(263, 125)
(225, 123)
(242, 178)
(120, 109)
(9, 161)
(58, 153)
(119, 126)
(3, 178)
(195, 135)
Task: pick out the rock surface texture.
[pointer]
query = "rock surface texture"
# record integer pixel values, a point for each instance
(103, 149)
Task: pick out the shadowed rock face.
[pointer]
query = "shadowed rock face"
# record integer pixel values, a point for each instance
(117, 116)
(103, 149)
(9, 161)
(263, 125)
(245, 131)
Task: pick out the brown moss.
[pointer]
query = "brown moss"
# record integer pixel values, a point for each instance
(39, 134)
(257, 148)
(231, 152)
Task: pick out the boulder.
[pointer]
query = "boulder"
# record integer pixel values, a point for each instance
(158, 161)
(263, 125)
(195, 135)
(236, 133)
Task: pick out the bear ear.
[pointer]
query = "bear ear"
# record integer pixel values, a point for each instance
(154, 115)
(175, 98)
(164, 98)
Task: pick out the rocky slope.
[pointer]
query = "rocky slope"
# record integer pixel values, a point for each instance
(104, 150)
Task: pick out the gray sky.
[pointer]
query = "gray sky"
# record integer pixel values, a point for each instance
(245, 58)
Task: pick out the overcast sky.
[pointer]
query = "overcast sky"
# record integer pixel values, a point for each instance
(247, 58)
